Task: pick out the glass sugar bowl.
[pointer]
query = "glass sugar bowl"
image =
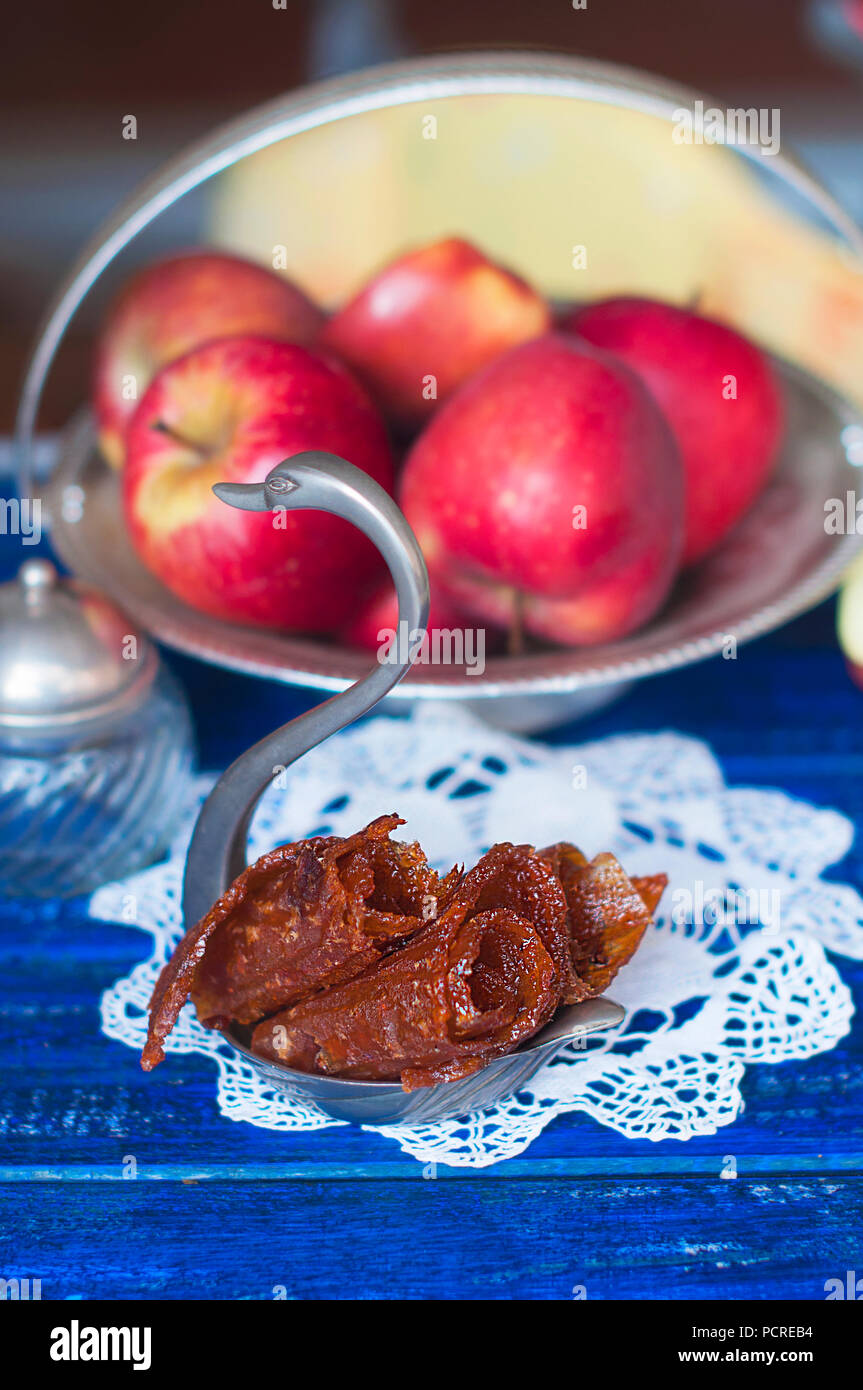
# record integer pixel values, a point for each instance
(96, 743)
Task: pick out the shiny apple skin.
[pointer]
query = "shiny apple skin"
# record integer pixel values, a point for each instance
(493, 484)
(250, 403)
(854, 15)
(729, 446)
(177, 304)
(444, 310)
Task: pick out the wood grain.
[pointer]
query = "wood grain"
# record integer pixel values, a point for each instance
(221, 1210)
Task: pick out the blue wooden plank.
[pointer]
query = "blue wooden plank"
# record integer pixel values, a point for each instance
(644, 1166)
(72, 1097)
(634, 1240)
(225, 1210)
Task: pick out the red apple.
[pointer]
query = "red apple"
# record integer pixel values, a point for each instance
(548, 493)
(229, 411)
(175, 305)
(378, 617)
(719, 394)
(428, 321)
(854, 14)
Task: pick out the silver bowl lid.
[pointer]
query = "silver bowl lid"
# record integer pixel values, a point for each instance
(67, 654)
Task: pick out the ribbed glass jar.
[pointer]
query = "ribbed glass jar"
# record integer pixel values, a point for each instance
(95, 739)
(77, 812)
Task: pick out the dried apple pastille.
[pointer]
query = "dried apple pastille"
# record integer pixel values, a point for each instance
(304, 916)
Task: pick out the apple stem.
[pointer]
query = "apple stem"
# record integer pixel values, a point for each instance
(515, 636)
(179, 438)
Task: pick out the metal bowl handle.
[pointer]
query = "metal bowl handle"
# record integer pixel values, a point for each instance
(321, 482)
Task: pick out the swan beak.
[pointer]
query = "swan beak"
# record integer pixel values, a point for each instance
(249, 497)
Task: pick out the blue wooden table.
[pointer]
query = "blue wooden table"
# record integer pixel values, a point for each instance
(223, 1210)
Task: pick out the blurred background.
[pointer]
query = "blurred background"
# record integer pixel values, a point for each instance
(182, 67)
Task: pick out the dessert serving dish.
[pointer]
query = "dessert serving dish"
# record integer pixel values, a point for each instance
(386, 1103)
(346, 970)
(529, 155)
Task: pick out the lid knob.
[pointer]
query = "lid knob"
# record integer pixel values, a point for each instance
(36, 578)
(67, 655)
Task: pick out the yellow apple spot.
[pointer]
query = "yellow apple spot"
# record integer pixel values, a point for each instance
(178, 495)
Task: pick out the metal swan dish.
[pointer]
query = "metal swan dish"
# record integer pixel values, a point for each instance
(327, 945)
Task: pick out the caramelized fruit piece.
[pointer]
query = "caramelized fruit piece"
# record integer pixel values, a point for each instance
(466, 988)
(304, 916)
(354, 959)
(608, 912)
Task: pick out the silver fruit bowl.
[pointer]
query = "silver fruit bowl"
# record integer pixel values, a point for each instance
(779, 561)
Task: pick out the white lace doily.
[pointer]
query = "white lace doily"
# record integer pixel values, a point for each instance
(733, 973)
